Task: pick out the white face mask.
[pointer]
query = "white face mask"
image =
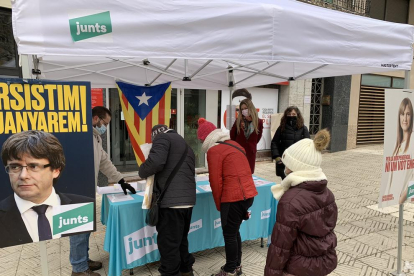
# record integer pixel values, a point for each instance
(245, 112)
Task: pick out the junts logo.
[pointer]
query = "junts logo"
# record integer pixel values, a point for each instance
(93, 25)
(140, 243)
(265, 214)
(197, 225)
(217, 223)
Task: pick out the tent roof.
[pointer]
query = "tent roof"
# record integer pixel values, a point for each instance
(264, 42)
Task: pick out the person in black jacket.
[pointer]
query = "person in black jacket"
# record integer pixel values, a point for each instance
(177, 205)
(291, 130)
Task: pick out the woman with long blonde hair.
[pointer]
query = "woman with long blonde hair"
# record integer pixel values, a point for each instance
(247, 130)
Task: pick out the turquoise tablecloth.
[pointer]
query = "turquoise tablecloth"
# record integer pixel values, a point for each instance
(131, 243)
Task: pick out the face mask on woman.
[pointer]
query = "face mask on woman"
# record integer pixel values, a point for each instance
(245, 112)
(291, 120)
(101, 129)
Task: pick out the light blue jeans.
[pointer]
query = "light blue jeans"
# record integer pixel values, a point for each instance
(79, 256)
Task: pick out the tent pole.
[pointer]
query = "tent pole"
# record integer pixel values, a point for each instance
(401, 207)
(231, 84)
(42, 245)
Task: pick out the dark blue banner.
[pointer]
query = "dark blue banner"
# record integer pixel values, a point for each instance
(60, 108)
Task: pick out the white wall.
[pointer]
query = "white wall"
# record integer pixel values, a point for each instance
(264, 99)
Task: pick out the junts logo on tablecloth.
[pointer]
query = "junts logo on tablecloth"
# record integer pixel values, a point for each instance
(196, 225)
(140, 243)
(217, 223)
(265, 214)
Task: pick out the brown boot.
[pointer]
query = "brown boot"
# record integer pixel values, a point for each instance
(94, 265)
(87, 272)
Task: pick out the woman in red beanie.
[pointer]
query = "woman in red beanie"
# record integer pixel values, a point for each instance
(247, 130)
(232, 186)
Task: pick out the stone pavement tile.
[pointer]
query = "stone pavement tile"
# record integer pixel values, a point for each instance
(351, 230)
(353, 268)
(385, 210)
(377, 241)
(362, 201)
(381, 261)
(9, 259)
(365, 212)
(373, 225)
(407, 252)
(345, 217)
(340, 237)
(346, 204)
(138, 271)
(352, 249)
(407, 215)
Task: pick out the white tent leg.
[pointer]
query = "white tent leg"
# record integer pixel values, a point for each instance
(401, 207)
(231, 85)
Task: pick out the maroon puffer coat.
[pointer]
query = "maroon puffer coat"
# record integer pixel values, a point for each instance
(303, 238)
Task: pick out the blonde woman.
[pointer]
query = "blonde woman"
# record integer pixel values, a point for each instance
(247, 130)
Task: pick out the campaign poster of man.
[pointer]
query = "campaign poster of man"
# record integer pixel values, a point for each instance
(47, 182)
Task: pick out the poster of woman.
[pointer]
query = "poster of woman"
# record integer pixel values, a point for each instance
(397, 170)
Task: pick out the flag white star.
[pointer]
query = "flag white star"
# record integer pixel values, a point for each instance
(143, 99)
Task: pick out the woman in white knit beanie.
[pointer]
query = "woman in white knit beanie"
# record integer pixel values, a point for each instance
(303, 239)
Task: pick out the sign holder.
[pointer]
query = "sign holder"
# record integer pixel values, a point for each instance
(401, 208)
(43, 258)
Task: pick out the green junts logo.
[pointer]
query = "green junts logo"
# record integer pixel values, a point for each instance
(73, 218)
(90, 26)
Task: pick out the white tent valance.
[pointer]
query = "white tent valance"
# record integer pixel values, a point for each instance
(153, 42)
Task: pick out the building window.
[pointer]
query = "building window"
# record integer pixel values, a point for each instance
(9, 61)
(316, 108)
(375, 80)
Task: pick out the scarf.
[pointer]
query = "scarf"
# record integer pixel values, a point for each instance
(248, 129)
(296, 178)
(213, 137)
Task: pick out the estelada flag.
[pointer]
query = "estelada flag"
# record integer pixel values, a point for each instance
(143, 108)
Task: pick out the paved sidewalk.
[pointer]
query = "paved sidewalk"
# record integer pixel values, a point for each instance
(367, 237)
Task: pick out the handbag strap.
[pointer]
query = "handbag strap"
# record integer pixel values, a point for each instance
(170, 178)
(220, 142)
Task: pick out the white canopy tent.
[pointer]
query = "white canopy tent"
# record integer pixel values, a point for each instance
(153, 42)
(214, 44)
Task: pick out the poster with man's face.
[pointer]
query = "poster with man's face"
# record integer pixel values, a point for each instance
(398, 160)
(47, 181)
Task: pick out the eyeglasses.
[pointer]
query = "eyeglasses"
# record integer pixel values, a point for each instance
(34, 167)
(105, 123)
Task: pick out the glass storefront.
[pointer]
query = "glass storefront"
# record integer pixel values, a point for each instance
(184, 120)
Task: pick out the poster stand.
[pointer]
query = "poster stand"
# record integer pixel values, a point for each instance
(43, 258)
(401, 207)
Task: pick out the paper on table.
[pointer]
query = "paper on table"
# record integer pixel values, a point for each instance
(259, 182)
(116, 188)
(120, 197)
(206, 188)
(202, 178)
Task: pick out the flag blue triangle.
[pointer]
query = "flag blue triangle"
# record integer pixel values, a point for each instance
(143, 98)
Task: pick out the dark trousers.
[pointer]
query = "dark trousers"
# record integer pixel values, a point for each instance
(280, 170)
(173, 226)
(232, 215)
